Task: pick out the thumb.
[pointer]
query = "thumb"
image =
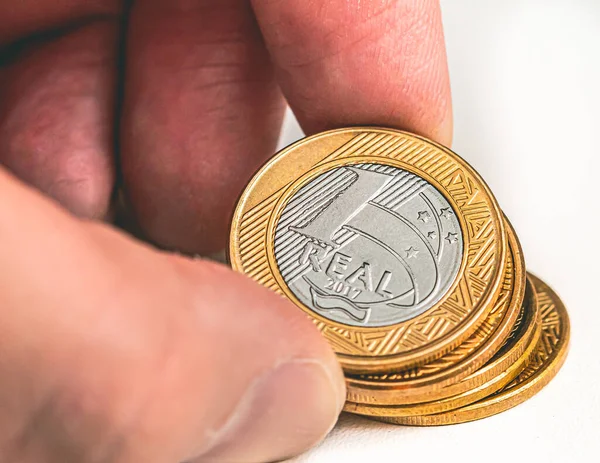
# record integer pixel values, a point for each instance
(112, 351)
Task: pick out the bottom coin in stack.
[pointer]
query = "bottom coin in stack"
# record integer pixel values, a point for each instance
(508, 362)
(547, 358)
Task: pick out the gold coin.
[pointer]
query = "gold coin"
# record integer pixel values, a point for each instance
(504, 367)
(382, 394)
(548, 356)
(350, 224)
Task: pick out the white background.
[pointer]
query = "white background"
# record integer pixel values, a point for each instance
(526, 88)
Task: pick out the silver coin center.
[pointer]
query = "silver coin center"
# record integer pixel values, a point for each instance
(368, 245)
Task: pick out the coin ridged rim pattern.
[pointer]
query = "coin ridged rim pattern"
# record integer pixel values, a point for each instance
(492, 377)
(427, 336)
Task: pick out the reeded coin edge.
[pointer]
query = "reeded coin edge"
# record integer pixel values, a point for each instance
(489, 379)
(519, 390)
(511, 362)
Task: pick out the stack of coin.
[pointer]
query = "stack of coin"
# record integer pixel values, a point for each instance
(400, 254)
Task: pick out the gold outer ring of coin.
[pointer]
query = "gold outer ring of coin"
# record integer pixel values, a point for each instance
(427, 383)
(548, 357)
(493, 376)
(425, 337)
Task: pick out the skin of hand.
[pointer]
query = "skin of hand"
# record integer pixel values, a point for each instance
(112, 350)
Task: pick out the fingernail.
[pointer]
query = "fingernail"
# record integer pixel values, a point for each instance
(283, 413)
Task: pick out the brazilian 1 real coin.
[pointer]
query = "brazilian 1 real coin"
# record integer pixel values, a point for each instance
(391, 243)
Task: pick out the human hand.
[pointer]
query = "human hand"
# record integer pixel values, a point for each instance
(112, 351)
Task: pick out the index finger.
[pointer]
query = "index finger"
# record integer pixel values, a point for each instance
(361, 62)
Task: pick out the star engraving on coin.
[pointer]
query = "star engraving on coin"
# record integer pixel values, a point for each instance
(446, 212)
(452, 238)
(411, 253)
(424, 216)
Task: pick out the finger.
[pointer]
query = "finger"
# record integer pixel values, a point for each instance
(57, 105)
(202, 112)
(27, 17)
(114, 352)
(361, 62)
